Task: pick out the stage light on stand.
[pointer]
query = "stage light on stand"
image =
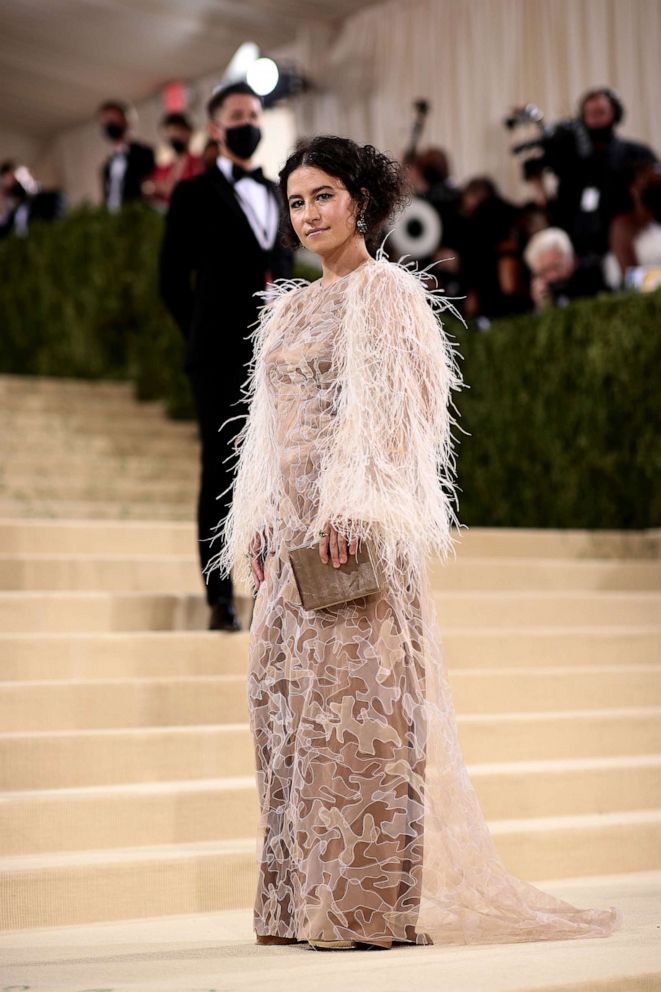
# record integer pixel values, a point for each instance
(263, 76)
(272, 81)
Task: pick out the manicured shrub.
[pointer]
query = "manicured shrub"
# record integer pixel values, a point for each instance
(562, 412)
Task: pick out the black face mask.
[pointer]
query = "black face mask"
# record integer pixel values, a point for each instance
(243, 140)
(600, 135)
(114, 132)
(178, 145)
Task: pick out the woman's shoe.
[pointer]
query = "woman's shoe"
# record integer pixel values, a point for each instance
(332, 945)
(383, 945)
(267, 938)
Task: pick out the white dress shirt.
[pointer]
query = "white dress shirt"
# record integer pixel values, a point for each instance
(257, 202)
(118, 165)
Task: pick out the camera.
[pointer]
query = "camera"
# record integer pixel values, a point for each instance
(557, 146)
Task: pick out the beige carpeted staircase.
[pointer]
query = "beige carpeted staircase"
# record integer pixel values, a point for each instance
(125, 756)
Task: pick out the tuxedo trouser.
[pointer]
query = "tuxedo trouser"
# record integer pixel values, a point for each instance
(214, 404)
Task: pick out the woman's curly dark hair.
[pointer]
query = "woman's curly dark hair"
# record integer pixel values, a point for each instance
(358, 167)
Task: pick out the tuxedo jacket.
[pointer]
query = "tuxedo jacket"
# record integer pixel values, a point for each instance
(44, 205)
(211, 265)
(139, 166)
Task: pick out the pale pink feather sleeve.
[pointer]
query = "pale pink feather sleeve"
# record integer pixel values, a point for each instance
(389, 463)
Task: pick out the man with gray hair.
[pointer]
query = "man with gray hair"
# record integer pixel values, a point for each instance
(558, 276)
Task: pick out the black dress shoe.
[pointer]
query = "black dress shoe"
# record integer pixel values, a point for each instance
(223, 616)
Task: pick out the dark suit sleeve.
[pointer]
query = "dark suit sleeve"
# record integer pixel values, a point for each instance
(103, 175)
(147, 161)
(281, 259)
(47, 205)
(177, 258)
(646, 155)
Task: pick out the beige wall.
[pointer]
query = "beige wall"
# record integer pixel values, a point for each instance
(19, 147)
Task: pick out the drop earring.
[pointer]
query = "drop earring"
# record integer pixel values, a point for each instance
(361, 225)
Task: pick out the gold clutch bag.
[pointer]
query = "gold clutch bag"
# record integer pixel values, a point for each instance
(321, 586)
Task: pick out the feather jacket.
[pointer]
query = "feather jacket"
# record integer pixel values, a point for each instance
(388, 463)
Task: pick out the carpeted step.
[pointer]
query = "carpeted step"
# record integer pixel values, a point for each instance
(222, 943)
(171, 489)
(94, 537)
(136, 466)
(71, 759)
(160, 573)
(546, 574)
(112, 573)
(23, 508)
(17, 387)
(42, 612)
(88, 704)
(77, 758)
(92, 423)
(100, 611)
(218, 809)
(79, 887)
(43, 445)
(495, 609)
(169, 653)
(144, 536)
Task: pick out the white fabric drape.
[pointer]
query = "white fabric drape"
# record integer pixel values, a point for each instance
(474, 60)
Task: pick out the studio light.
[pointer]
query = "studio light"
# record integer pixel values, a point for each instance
(272, 81)
(263, 76)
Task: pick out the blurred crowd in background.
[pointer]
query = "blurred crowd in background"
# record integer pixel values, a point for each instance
(592, 219)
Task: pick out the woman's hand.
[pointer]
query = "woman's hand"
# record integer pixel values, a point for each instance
(334, 543)
(256, 563)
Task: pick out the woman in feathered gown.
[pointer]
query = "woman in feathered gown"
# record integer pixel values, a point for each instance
(370, 830)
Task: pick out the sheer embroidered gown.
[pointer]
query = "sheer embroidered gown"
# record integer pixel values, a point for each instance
(370, 828)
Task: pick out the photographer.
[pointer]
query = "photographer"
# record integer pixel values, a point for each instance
(594, 168)
(557, 275)
(22, 201)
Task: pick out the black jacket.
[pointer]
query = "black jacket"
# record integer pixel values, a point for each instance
(610, 170)
(211, 264)
(139, 166)
(44, 205)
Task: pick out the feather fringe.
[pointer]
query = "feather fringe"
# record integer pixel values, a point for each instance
(390, 467)
(256, 485)
(388, 464)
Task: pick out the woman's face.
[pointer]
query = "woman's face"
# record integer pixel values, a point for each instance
(321, 209)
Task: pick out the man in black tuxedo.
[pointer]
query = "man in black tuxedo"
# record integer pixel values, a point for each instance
(124, 172)
(22, 200)
(221, 246)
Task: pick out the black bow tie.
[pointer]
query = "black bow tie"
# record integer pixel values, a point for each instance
(238, 172)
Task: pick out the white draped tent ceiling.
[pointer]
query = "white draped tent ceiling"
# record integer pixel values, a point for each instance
(368, 61)
(60, 58)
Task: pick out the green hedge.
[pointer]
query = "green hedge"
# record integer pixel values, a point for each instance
(79, 298)
(562, 411)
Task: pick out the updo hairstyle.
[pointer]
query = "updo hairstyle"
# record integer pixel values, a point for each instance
(357, 167)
